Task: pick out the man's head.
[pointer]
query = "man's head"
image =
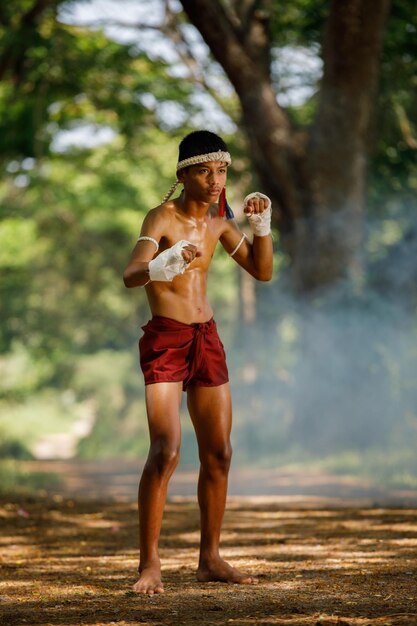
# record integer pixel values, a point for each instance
(201, 146)
(198, 147)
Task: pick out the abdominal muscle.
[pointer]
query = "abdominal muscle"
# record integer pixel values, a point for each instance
(184, 299)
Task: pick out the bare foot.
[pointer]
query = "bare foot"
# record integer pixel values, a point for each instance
(149, 581)
(220, 571)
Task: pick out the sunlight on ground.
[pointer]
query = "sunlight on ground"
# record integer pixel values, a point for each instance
(64, 561)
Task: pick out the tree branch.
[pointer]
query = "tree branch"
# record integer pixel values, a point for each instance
(121, 24)
(172, 30)
(266, 123)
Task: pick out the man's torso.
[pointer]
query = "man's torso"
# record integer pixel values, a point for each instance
(185, 298)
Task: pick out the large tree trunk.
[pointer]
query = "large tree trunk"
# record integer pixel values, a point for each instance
(330, 236)
(316, 181)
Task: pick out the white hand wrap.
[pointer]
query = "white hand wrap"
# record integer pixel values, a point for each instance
(169, 263)
(260, 223)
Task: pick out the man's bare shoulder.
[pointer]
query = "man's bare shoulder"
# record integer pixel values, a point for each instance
(161, 213)
(228, 226)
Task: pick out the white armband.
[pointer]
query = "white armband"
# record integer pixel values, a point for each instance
(145, 238)
(169, 263)
(260, 223)
(238, 245)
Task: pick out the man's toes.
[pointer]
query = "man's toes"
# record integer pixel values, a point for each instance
(250, 580)
(143, 590)
(159, 589)
(246, 580)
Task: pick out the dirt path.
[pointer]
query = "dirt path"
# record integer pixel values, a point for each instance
(73, 563)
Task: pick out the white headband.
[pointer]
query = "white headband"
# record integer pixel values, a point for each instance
(195, 160)
(203, 158)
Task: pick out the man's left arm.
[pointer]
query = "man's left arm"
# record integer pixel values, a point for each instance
(256, 257)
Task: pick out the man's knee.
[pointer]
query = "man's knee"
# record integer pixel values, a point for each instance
(163, 456)
(217, 460)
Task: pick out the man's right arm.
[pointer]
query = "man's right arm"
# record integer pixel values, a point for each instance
(136, 273)
(144, 266)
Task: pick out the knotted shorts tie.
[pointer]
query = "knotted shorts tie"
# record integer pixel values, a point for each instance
(171, 351)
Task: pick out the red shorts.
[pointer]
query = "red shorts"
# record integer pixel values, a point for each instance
(171, 351)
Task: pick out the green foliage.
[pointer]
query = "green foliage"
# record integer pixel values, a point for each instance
(46, 412)
(60, 76)
(109, 381)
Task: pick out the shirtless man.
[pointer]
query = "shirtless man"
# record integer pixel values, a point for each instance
(180, 349)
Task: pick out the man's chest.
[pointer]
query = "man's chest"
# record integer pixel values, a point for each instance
(203, 235)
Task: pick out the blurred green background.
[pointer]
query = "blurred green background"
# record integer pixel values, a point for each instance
(92, 108)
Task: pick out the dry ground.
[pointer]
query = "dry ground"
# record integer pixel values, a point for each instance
(73, 563)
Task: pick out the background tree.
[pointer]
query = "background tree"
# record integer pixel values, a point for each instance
(316, 177)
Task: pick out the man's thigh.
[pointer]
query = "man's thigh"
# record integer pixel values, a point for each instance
(163, 408)
(211, 413)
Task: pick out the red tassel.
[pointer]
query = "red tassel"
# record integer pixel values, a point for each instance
(222, 202)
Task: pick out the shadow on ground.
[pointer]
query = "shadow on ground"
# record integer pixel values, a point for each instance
(73, 562)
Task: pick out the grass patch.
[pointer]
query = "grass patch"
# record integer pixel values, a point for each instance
(385, 467)
(18, 482)
(41, 414)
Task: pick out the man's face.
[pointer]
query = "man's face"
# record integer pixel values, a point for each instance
(204, 182)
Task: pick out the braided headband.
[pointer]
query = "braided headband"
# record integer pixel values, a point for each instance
(203, 158)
